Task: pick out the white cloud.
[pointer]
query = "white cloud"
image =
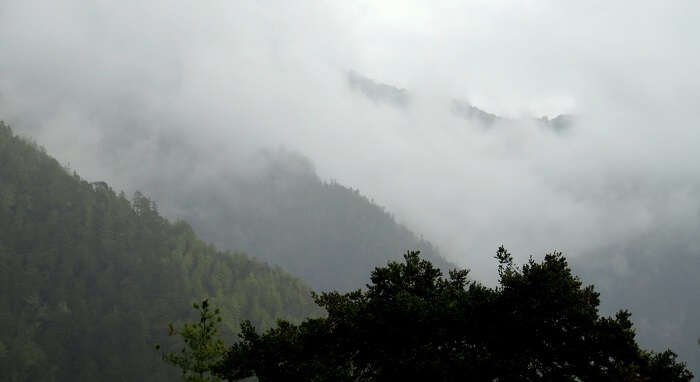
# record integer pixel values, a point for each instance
(237, 76)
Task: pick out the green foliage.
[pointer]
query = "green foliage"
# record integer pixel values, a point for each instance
(90, 279)
(203, 349)
(539, 324)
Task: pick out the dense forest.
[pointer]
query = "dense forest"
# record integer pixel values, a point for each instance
(90, 279)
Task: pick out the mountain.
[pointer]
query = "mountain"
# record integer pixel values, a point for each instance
(380, 92)
(328, 234)
(559, 123)
(377, 91)
(473, 113)
(89, 279)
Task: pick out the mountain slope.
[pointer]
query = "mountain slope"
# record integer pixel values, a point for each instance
(326, 233)
(89, 279)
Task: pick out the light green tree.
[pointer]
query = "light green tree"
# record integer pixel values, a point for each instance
(203, 348)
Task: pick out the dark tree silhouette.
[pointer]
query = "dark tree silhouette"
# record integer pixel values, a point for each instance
(539, 324)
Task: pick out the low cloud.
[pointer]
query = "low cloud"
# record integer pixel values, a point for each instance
(113, 88)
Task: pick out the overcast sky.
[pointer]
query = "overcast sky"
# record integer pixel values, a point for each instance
(237, 76)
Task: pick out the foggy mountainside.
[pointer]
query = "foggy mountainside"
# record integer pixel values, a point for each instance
(327, 138)
(469, 112)
(90, 279)
(663, 293)
(472, 113)
(377, 91)
(384, 93)
(325, 233)
(269, 204)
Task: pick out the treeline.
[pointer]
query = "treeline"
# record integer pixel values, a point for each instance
(90, 279)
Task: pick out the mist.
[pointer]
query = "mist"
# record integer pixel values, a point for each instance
(114, 89)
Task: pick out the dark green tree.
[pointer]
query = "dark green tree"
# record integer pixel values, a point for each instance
(411, 323)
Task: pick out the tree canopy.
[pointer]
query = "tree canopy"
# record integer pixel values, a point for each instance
(539, 324)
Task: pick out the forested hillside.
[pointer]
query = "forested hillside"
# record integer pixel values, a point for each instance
(89, 279)
(324, 232)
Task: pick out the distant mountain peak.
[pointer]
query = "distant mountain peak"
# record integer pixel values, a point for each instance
(559, 123)
(470, 112)
(384, 93)
(377, 91)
